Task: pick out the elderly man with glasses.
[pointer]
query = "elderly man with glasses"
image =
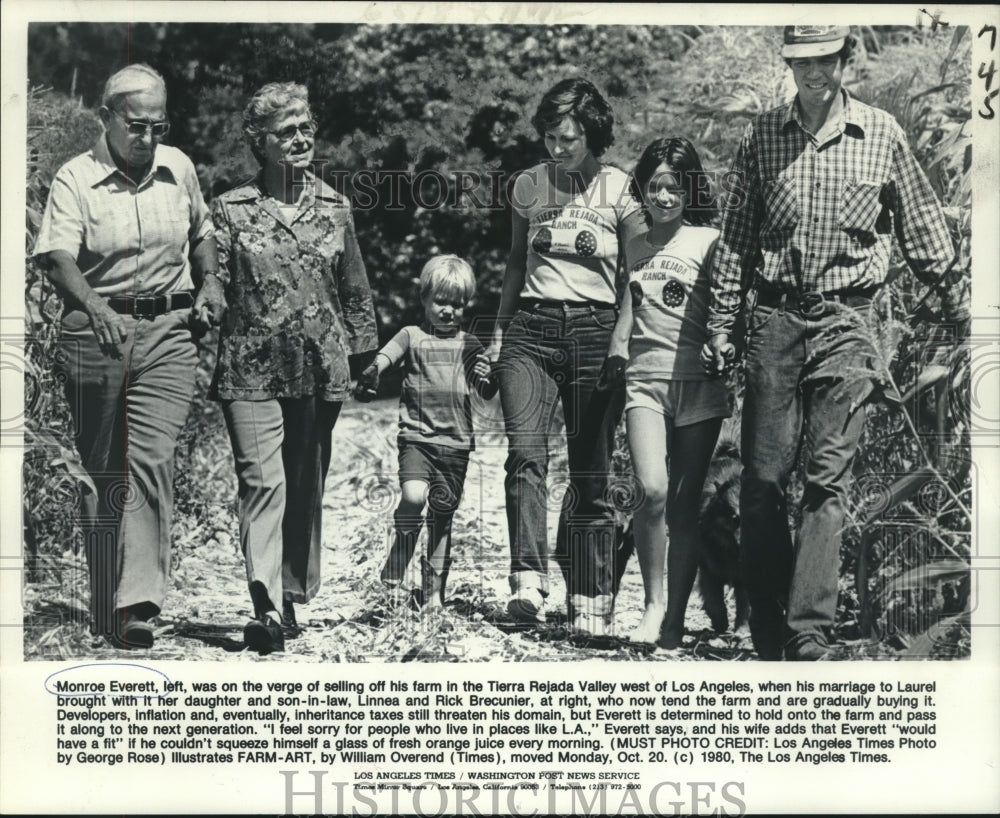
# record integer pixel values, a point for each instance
(125, 239)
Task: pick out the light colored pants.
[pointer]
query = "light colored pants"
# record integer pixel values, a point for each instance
(128, 407)
(281, 449)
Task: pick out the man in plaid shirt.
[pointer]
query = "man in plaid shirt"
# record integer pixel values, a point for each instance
(828, 181)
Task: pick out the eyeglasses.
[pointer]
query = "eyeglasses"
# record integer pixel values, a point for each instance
(307, 129)
(138, 127)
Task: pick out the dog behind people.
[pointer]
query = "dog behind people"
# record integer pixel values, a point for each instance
(719, 552)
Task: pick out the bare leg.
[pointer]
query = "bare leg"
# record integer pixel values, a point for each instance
(408, 520)
(647, 440)
(438, 562)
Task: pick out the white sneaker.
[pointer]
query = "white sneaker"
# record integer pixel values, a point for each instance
(590, 624)
(590, 615)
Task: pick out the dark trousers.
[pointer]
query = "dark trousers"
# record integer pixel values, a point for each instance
(550, 355)
(806, 385)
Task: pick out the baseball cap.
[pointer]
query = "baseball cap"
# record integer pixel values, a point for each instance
(813, 41)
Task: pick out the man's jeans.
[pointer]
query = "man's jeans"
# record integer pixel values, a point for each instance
(806, 383)
(555, 353)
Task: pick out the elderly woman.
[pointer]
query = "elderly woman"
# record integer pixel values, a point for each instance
(298, 304)
(557, 311)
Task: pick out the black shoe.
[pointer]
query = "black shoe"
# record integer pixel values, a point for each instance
(264, 635)
(130, 632)
(768, 639)
(526, 607)
(767, 651)
(289, 625)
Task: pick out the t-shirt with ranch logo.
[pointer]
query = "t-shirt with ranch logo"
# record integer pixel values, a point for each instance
(573, 238)
(669, 291)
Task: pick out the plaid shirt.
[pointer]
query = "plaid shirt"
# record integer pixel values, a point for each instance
(811, 216)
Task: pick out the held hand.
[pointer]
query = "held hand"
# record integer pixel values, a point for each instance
(487, 382)
(493, 358)
(108, 326)
(482, 367)
(367, 385)
(612, 375)
(717, 355)
(209, 305)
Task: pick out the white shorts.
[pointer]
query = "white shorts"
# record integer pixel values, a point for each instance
(684, 402)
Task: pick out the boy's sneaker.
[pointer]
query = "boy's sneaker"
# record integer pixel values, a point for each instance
(526, 607)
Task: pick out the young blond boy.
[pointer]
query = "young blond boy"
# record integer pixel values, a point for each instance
(443, 368)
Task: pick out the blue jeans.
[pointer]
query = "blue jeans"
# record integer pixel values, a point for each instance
(806, 387)
(555, 353)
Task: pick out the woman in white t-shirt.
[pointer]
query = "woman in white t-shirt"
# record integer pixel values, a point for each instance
(674, 410)
(557, 311)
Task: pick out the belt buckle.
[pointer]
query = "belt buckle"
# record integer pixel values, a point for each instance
(811, 304)
(140, 310)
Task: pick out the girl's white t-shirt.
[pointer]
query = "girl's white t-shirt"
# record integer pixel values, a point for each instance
(669, 288)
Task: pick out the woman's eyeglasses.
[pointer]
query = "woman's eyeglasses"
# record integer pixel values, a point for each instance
(307, 129)
(138, 127)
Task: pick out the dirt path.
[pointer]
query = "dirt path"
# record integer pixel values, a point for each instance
(205, 611)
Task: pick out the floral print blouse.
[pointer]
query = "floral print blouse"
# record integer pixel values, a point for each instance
(297, 294)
